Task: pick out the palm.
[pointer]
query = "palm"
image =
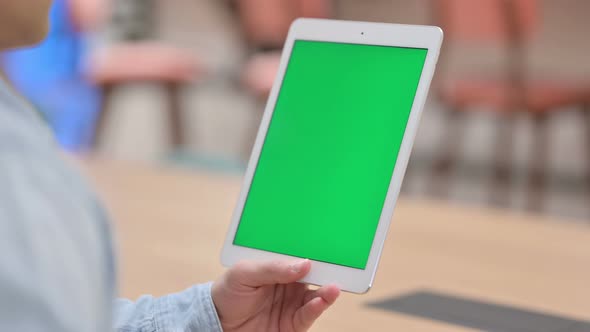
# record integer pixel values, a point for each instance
(273, 308)
(288, 307)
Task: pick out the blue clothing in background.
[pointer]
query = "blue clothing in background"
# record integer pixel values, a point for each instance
(50, 76)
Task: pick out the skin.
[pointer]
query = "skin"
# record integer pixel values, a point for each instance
(23, 22)
(251, 296)
(264, 296)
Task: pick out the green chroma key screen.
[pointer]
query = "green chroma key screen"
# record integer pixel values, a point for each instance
(330, 150)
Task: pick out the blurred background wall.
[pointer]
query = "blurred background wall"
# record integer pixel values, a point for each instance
(218, 110)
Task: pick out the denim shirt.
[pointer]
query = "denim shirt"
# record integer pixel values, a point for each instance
(57, 270)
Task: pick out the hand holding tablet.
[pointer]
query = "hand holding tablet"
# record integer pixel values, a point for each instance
(332, 148)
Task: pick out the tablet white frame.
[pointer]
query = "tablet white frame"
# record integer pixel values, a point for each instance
(427, 37)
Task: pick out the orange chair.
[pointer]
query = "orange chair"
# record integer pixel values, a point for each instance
(266, 24)
(508, 24)
(88, 15)
(144, 62)
(133, 61)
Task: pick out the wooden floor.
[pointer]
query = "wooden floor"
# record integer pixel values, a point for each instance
(170, 226)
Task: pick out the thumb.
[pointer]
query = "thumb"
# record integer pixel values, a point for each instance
(256, 274)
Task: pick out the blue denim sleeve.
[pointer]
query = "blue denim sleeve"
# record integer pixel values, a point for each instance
(191, 310)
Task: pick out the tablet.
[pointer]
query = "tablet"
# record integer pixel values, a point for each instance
(332, 148)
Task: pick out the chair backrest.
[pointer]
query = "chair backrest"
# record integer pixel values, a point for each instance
(89, 15)
(510, 23)
(266, 22)
(488, 20)
(314, 8)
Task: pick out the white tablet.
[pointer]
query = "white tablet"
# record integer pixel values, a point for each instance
(332, 148)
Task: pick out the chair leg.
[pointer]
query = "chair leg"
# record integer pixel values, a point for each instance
(252, 131)
(175, 115)
(537, 176)
(502, 172)
(107, 92)
(586, 114)
(454, 130)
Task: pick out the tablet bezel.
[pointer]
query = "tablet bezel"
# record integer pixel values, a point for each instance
(411, 36)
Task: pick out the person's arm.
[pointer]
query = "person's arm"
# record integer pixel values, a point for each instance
(191, 310)
(249, 297)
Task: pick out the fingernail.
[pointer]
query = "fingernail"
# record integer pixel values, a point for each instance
(297, 266)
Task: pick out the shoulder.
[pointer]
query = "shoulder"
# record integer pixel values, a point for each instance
(60, 259)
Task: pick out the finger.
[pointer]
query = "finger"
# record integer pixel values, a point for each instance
(308, 313)
(256, 274)
(329, 293)
(296, 291)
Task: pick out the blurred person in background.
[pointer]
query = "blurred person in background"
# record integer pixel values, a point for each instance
(50, 76)
(57, 271)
